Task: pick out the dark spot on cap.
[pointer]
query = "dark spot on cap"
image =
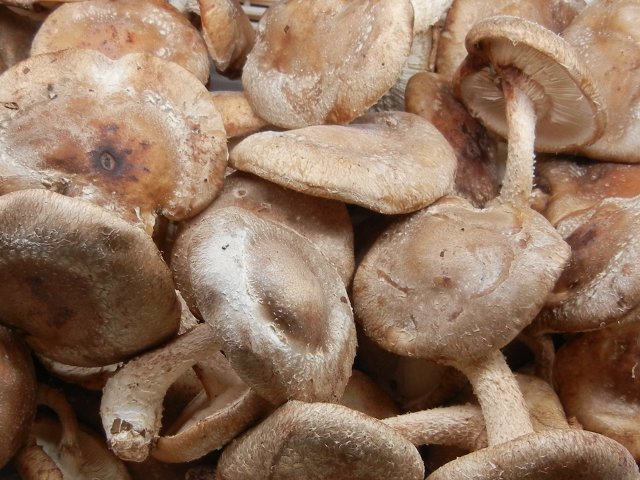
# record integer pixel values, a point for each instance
(443, 282)
(343, 299)
(108, 161)
(286, 28)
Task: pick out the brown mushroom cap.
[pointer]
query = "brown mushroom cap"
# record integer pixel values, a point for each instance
(595, 375)
(116, 28)
(552, 455)
(278, 306)
(318, 440)
(87, 288)
(17, 394)
(139, 136)
(343, 55)
(391, 162)
(568, 108)
(236, 112)
(468, 288)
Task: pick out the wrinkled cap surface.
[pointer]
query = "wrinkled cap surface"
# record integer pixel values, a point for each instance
(391, 162)
(116, 28)
(326, 61)
(138, 136)
(467, 289)
(278, 306)
(569, 110)
(319, 441)
(85, 287)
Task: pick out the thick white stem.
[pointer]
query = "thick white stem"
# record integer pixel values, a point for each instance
(521, 120)
(131, 406)
(505, 412)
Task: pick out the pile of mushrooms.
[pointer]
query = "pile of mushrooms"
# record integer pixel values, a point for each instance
(402, 246)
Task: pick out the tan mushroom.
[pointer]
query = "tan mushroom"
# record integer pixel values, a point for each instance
(323, 441)
(118, 27)
(343, 55)
(158, 149)
(81, 280)
(390, 162)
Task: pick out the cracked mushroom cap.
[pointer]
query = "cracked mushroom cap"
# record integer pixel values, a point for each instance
(569, 110)
(342, 55)
(390, 162)
(467, 289)
(320, 441)
(278, 306)
(118, 27)
(17, 394)
(597, 378)
(88, 288)
(139, 136)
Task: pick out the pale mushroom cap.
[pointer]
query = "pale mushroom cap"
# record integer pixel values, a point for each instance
(596, 375)
(343, 55)
(320, 441)
(552, 455)
(116, 28)
(390, 162)
(87, 288)
(468, 288)
(569, 110)
(463, 14)
(607, 38)
(138, 126)
(278, 306)
(601, 283)
(17, 394)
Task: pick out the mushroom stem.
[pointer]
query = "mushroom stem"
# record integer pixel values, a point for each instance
(131, 406)
(56, 401)
(32, 463)
(457, 426)
(521, 120)
(505, 412)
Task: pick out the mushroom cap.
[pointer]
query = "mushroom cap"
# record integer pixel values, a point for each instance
(595, 375)
(569, 110)
(17, 394)
(16, 34)
(325, 223)
(139, 135)
(606, 37)
(116, 28)
(87, 288)
(238, 116)
(390, 162)
(278, 307)
(343, 55)
(319, 441)
(468, 288)
(601, 283)
(364, 395)
(228, 33)
(463, 14)
(553, 455)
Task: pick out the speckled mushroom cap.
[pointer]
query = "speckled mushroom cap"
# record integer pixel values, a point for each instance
(16, 34)
(118, 27)
(467, 289)
(463, 14)
(390, 162)
(139, 136)
(552, 455)
(278, 306)
(597, 381)
(17, 394)
(326, 61)
(318, 441)
(568, 108)
(87, 288)
(600, 285)
(325, 223)
(607, 38)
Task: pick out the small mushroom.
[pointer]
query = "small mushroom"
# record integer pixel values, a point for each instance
(342, 55)
(390, 162)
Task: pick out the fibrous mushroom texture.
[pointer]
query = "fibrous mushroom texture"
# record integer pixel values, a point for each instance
(391, 162)
(86, 287)
(139, 135)
(326, 61)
